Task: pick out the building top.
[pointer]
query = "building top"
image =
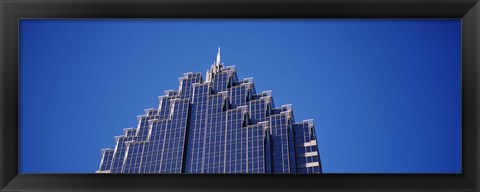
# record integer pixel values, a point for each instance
(221, 125)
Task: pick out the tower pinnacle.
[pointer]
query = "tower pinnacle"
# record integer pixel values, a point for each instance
(218, 57)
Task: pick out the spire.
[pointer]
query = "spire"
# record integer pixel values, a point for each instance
(218, 57)
(216, 66)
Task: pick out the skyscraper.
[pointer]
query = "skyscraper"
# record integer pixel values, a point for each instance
(220, 125)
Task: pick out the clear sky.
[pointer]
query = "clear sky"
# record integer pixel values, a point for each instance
(385, 94)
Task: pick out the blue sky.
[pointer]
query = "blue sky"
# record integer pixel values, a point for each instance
(385, 94)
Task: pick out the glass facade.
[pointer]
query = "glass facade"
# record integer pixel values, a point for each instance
(220, 125)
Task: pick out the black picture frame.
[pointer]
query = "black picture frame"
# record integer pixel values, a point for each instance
(13, 10)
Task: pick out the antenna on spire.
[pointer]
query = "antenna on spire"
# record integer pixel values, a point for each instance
(218, 57)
